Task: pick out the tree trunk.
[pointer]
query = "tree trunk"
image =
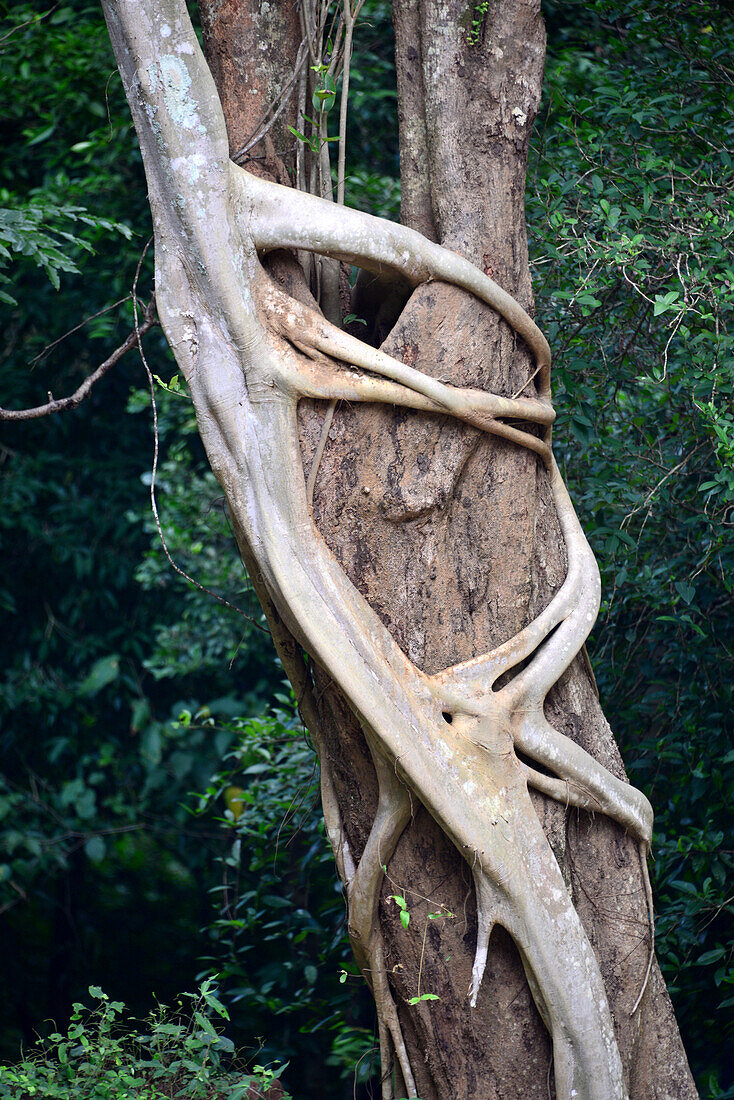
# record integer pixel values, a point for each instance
(456, 547)
(457, 539)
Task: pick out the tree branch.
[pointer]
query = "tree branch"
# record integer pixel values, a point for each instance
(54, 405)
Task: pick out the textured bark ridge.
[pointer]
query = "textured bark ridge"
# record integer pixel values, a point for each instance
(234, 35)
(466, 766)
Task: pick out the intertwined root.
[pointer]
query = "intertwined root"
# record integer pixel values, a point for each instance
(363, 896)
(249, 353)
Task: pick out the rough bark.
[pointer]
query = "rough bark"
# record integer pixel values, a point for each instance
(452, 537)
(456, 547)
(252, 51)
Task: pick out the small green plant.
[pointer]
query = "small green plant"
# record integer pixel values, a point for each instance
(325, 93)
(103, 1056)
(314, 143)
(403, 907)
(423, 997)
(176, 386)
(720, 424)
(478, 14)
(404, 914)
(323, 100)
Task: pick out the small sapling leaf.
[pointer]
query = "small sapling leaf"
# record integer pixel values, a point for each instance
(423, 997)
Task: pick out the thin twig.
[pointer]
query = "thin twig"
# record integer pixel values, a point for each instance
(71, 331)
(53, 405)
(654, 490)
(423, 951)
(651, 917)
(28, 22)
(278, 105)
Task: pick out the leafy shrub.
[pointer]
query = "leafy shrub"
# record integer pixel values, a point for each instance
(103, 1056)
(279, 943)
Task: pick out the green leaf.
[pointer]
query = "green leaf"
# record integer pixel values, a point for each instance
(323, 98)
(665, 302)
(685, 590)
(95, 849)
(711, 956)
(42, 136)
(102, 673)
(205, 1025)
(215, 1003)
(423, 997)
(685, 887)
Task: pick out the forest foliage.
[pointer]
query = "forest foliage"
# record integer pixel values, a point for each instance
(159, 796)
